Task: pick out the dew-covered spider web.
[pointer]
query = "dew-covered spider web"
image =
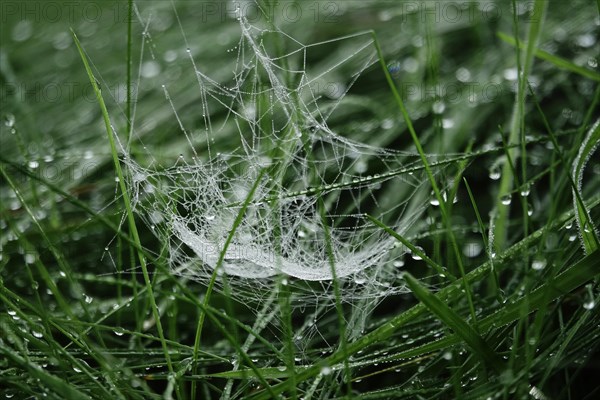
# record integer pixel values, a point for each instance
(273, 185)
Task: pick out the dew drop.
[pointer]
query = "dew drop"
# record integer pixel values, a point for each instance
(387, 123)
(588, 305)
(472, 249)
(438, 107)
(585, 40)
(325, 370)
(494, 173)
(538, 263)
(9, 120)
(447, 123)
(569, 225)
(360, 280)
(463, 74)
(394, 68)
(506, 199)
(510, 74)
(415, 256)
(360, 167)
(525, 190)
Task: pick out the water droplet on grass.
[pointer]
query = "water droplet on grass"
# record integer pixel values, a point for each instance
(438, 107)
(9, 120)
(325, 370)
(494, 173)
(472, 249)
(510, 74)
(463, 74)
(360, 280)
(415, 256)
(569, 225)
(588, 305)
(538, 263)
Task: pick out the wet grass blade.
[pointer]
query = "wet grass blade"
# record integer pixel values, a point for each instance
(587, 229)
(455, 322)
(127, 203)
(557, 61)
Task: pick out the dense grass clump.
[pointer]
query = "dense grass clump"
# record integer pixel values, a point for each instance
(329, 199)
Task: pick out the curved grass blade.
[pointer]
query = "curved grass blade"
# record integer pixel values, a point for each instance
(557, 61)
(516, 123)
(587, 229)
(127, 203)
(455, 322)
(414, 249)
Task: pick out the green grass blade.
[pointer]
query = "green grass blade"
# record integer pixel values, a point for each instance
(588, 233)
(209, 290)
(575, 276)
(455, 322)
(557, 61)
(127, 203)
(414, 249)
(425, 162)
(518, 115)
(338, 298)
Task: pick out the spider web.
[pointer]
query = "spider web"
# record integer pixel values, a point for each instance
(286, 194)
